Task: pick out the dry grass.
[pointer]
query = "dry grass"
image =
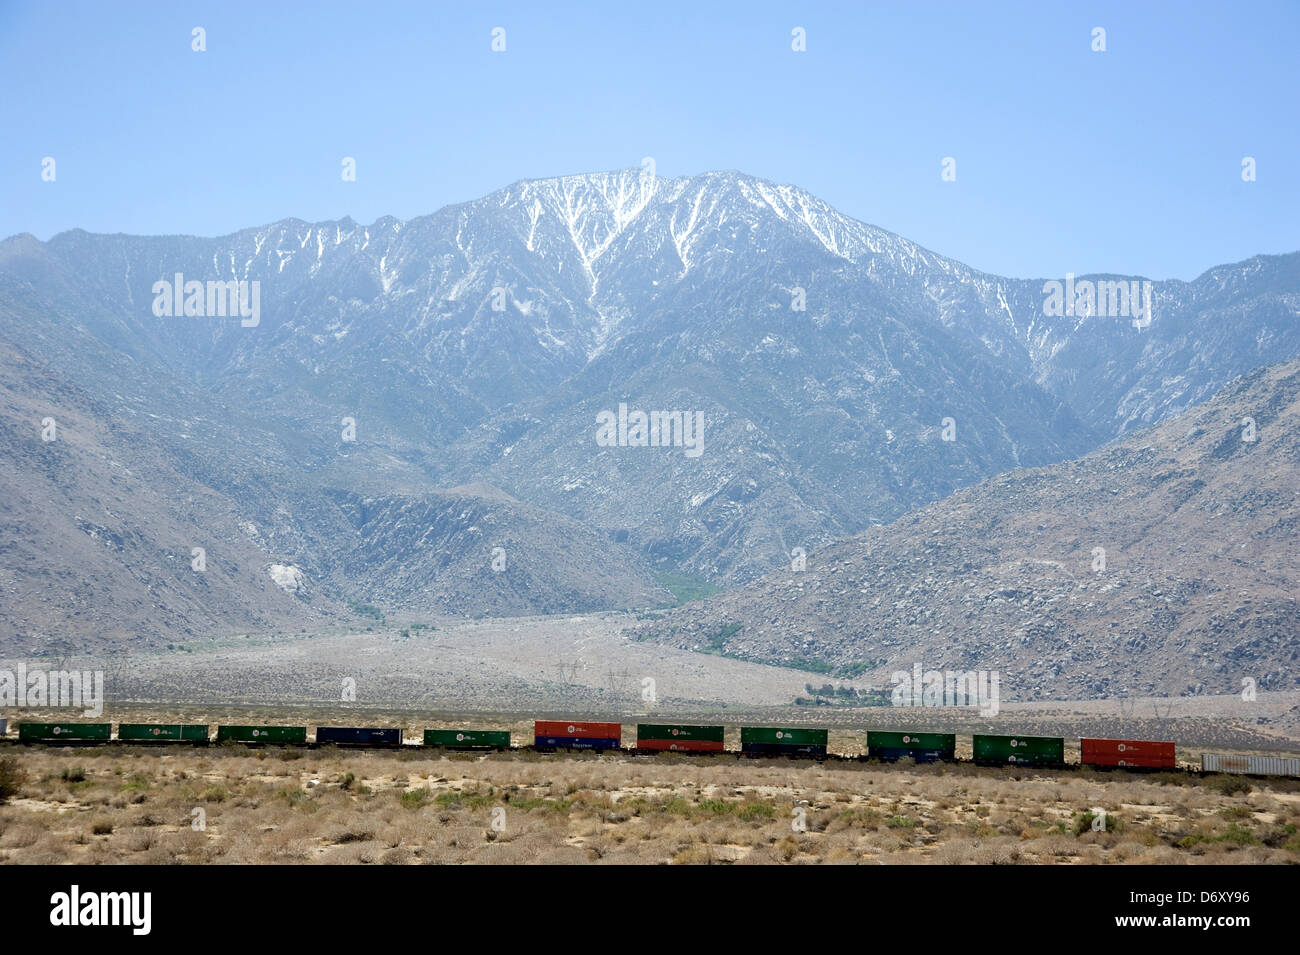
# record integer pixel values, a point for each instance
(235, 805)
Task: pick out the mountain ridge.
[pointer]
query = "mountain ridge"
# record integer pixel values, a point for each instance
(479, 343)
(1121, 572)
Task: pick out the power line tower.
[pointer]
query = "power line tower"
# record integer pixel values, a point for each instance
(617, 680)
(569, 671)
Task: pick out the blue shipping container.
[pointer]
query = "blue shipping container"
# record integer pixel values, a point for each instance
(782, 749)
(577, 742)
(358, 736)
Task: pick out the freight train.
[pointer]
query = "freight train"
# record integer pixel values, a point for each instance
(555, 735)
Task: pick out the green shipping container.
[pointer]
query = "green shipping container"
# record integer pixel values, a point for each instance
(468, 739)
(1019, 750)
(897, 745)
(769, 735)
(709, 734)
(53, 732)
(149, 732)
(912, 740)
(262, 734)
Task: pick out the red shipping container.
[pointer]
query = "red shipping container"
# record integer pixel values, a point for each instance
(682, 745)
(577, 729)
(1142, 753)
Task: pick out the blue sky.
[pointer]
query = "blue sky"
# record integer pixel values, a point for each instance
(1067, 160)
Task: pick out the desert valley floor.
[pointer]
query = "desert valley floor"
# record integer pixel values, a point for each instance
(282, 804)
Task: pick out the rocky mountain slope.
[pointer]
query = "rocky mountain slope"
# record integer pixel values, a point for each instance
(843, 377)
(105, 544)
(474, 551)
(1165, 562)
(104, 500)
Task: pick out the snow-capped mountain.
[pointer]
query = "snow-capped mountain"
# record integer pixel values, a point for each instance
(831, 361)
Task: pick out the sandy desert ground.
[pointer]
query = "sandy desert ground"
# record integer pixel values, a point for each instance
(231, 804)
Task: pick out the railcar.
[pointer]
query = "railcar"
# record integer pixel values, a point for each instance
(1249, 765)
(1127, 753)
(162, 732)
(679, 738)
(467, 739)
(261, 734)
(922, 747)
(358, 736)
(576, 734)
(1045, 751)
(782, 741)
(29, 732)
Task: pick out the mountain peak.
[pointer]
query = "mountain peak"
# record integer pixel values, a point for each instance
(477, 348)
